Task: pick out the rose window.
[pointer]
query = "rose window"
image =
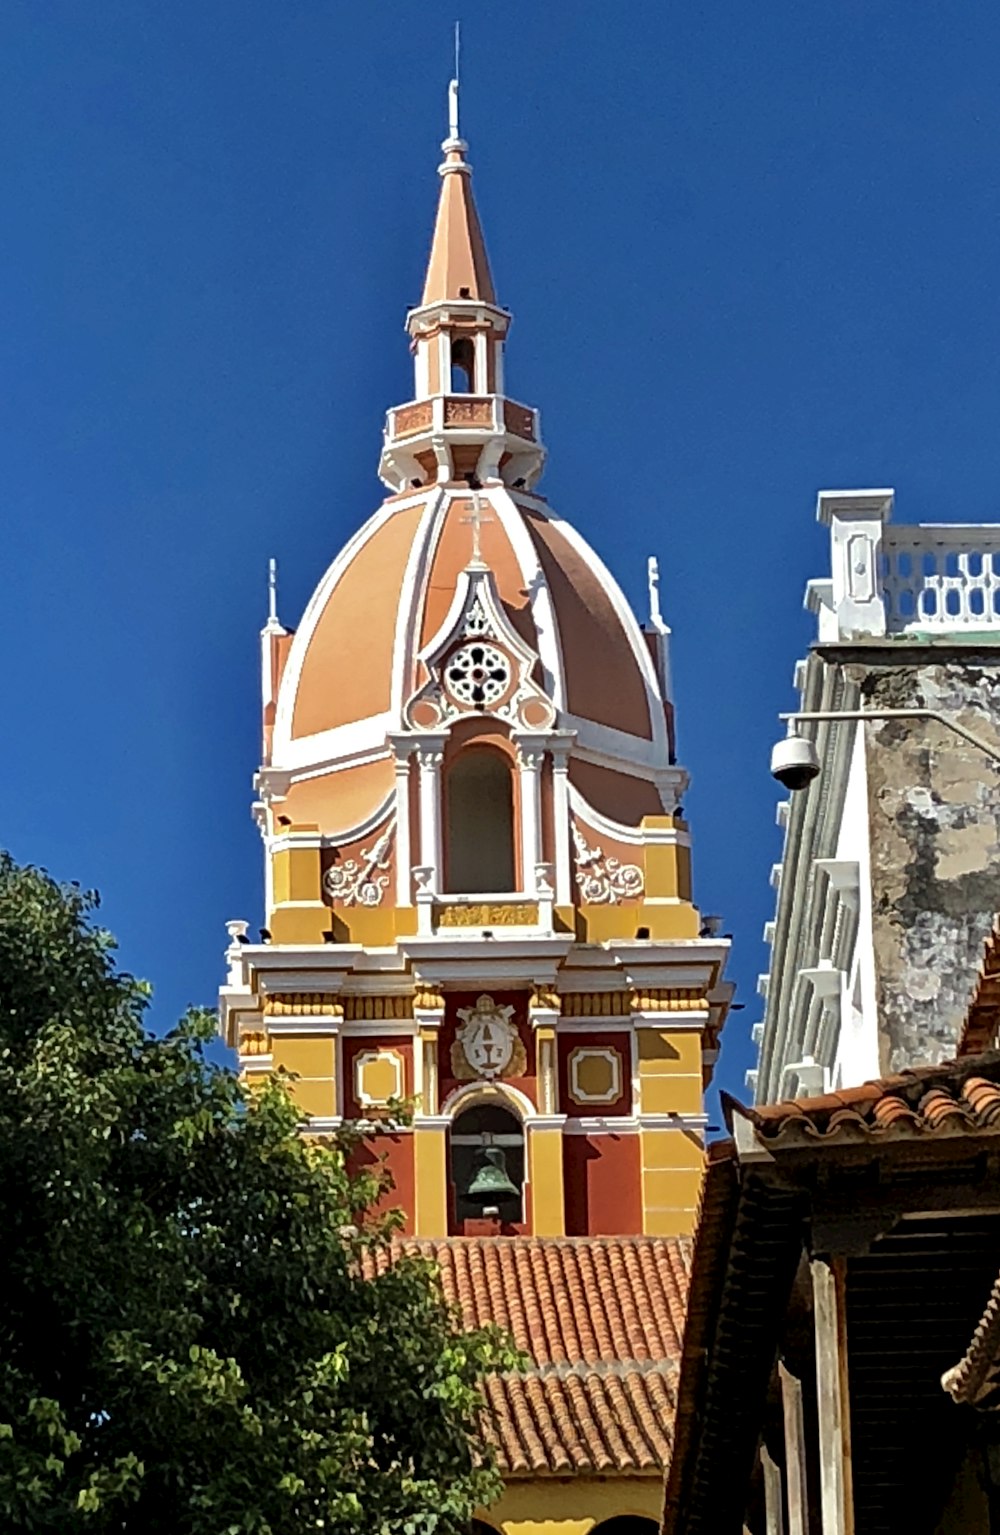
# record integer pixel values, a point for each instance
(478, 674)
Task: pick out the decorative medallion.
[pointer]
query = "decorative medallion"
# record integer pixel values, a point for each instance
(361, 881)
(378, 1077)
(602, 880)
(479, 664)
(477, 674)
(488, 1044)
(595, 1075)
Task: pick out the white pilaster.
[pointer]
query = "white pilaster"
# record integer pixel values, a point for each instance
(444, 362)
(481, 383)
(404, 851)
(560, 813)
(421, 370)
(530, 756)
(430, 755)
(856, 519)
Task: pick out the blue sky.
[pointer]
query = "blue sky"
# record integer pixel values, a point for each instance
(751, 251)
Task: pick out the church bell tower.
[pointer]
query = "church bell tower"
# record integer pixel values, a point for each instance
(478, 889)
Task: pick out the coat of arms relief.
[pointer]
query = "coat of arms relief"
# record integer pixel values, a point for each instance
(487, 1045)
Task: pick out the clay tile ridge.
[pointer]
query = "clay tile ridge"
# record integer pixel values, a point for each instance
(956, 1097)
(965, 1381)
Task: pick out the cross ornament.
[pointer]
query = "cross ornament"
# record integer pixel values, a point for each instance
(476, 518)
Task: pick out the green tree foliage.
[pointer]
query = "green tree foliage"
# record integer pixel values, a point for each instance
(201, 1331)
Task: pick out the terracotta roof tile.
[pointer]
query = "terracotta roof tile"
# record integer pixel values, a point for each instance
(600, 1319)
(957, 1098)
(982, 1022)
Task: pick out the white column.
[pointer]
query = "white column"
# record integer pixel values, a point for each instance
(421, 370)
(429, 757)
(530, 757)
(404, 853)
(498, 367)
(833, 1407)
(480, 384)
(444, 362)
(560, 813)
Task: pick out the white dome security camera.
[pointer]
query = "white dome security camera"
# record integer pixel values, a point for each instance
(794, 762)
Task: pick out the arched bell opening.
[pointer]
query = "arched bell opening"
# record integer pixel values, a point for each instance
(626, 1524)
(487, 1166)
(463, 366)
(479, 822)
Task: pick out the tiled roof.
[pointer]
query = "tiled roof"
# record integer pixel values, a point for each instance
(982, 1023)
(957, 1098)
(976, 1377)
(601, 1320)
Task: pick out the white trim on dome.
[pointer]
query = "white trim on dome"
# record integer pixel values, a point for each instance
(412, 601)
(603, 823)
(359, 740)
(632, 631)
(282, 753)
(548, 644)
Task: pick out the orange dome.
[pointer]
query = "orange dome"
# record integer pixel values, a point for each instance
(356, 660)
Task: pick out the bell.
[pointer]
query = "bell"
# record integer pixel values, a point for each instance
(491, 1183)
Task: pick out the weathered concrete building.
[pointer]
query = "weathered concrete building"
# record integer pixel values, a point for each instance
(888, 882)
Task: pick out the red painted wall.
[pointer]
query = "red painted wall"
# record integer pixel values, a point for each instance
(603, 1182)
(397, 1153)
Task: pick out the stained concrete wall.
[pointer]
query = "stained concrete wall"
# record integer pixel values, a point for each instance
(934, 806)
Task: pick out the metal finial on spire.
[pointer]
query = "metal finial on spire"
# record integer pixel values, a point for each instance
(272, 591)
(453, 87)
(273, 622)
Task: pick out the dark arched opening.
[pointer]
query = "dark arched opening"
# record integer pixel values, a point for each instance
(463, 366)
(480, 821)
(626, 1524)
(487, 1150)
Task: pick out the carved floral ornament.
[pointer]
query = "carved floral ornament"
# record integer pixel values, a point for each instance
(362, 881)
(487, 1045)
(604, 880)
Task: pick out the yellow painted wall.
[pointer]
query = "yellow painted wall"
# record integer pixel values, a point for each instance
(296, 873)
(573, 1505)
(667, 868)
(669, 1070)
(299, 924)
(596, 924)
(430, 1168)
(311, 1058)
(672, 1162)
(545, 1160)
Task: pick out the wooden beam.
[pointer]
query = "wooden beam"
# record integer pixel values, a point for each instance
(774, 1512)
(795, 1452)
(832, 1399)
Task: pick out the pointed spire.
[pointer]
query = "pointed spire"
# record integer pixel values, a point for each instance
(458, 266)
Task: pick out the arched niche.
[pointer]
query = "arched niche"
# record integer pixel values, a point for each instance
(475, 1130)
(626, 1524)
(479, 821)
(463, 365)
